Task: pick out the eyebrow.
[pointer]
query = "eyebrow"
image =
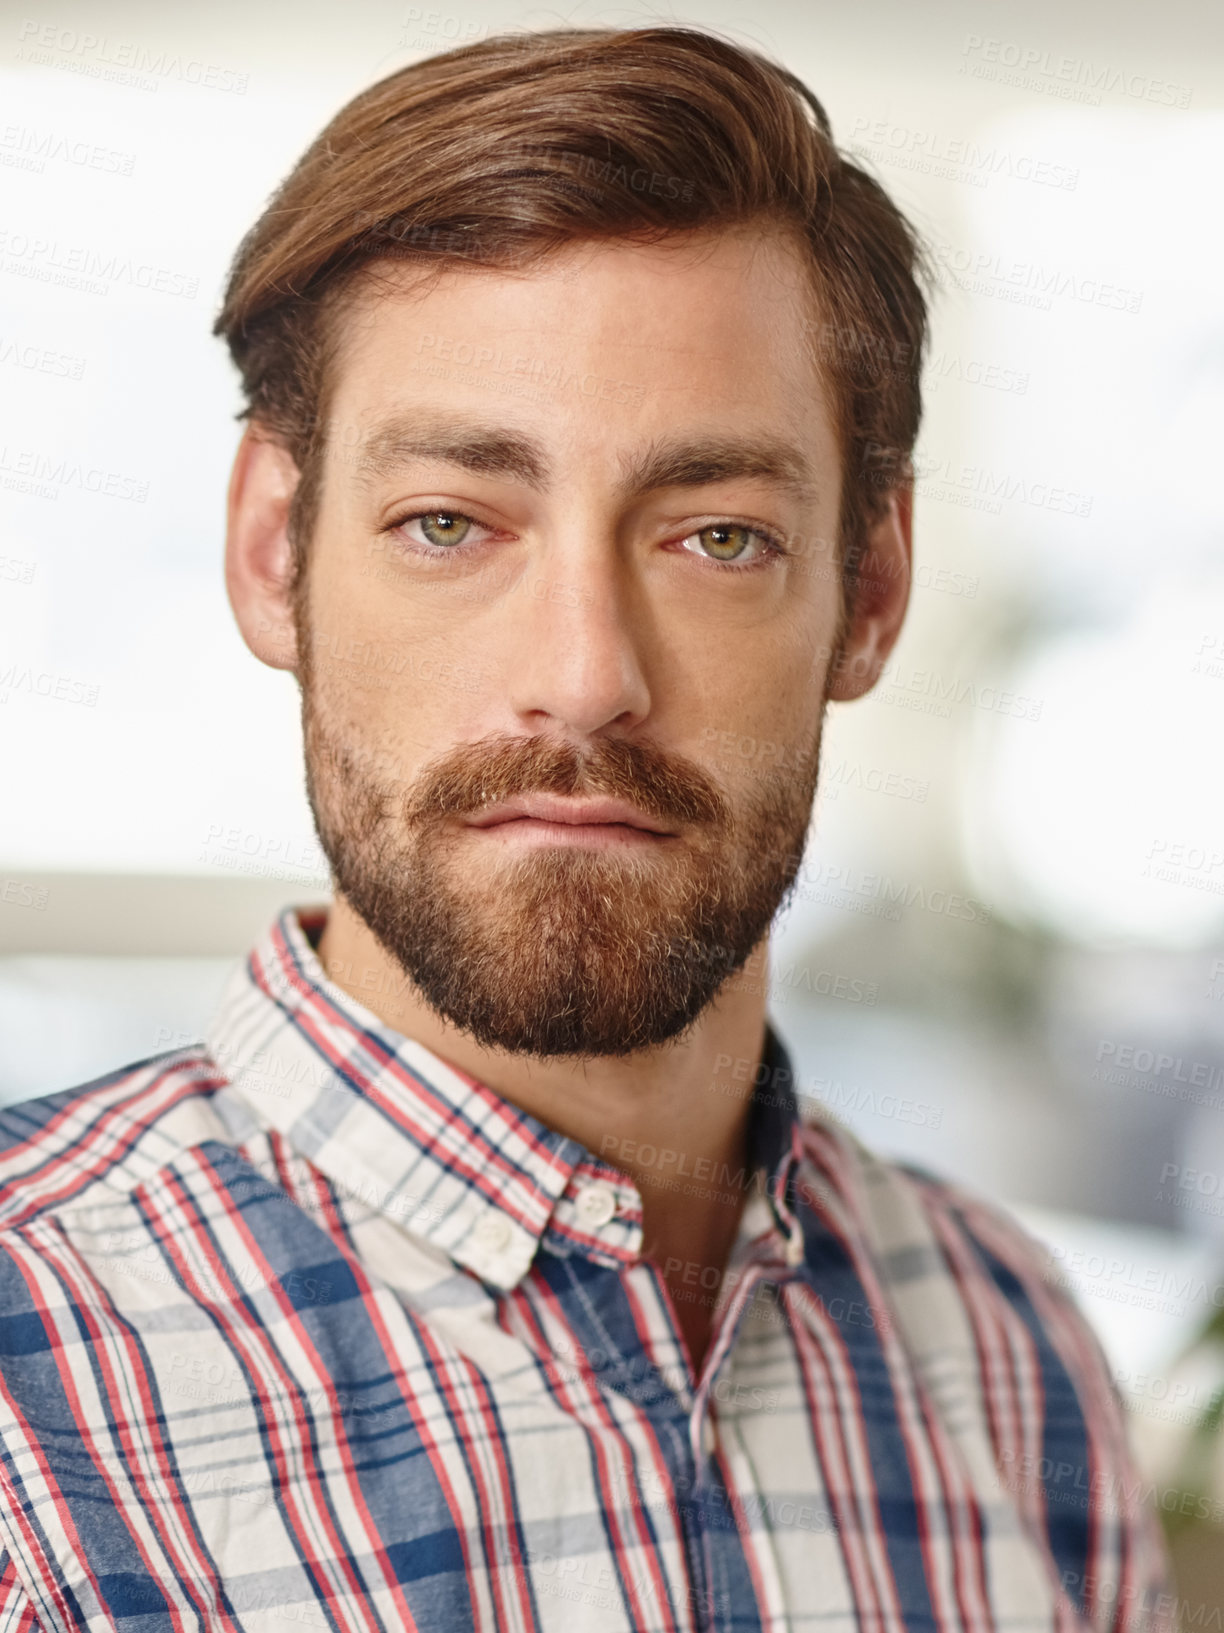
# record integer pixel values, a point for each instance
(490, 450)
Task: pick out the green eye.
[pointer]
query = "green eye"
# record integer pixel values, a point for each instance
(726, 540)
(444, 527)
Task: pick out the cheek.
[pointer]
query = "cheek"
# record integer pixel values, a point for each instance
(744, 739)
(376, 650)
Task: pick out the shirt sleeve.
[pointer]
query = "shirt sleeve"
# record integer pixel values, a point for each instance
(1069, 1464)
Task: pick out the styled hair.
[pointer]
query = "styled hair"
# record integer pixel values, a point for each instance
(503, 150)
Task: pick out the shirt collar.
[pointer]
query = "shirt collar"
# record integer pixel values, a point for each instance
(775, 1141)
(395, 1127)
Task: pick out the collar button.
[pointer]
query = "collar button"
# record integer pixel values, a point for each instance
(596, 1205)
(493, 1232)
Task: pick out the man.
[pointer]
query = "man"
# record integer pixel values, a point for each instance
(478, 1271)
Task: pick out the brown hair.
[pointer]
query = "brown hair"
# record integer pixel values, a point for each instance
(500, 151)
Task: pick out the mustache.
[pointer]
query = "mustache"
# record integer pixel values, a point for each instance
(502, 766)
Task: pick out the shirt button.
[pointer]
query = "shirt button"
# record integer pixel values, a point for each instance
(709, 1437)
(493, 1232)
(795, 1248)
(596, 1205)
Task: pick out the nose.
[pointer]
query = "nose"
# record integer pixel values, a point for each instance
(577, 643)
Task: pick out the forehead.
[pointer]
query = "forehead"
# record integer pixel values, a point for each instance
(714, 323)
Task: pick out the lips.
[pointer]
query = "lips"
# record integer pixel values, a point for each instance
(578, 813)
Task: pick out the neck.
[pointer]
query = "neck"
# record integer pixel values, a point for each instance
(680, 1108)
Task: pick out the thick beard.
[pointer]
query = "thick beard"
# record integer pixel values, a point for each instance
(557, 951)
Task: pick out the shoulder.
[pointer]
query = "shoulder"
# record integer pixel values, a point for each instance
(920, 1223)
(56, 1148)
(1021, 1308)
(974, 1295)
(992, 1256)
(986, 1316)
(962, 1271)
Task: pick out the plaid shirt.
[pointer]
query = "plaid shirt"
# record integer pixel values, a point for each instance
(307, 1328)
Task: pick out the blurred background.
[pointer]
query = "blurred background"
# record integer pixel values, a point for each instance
(1005, 958)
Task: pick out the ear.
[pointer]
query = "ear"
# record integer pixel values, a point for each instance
(881, 596)
(258, 556)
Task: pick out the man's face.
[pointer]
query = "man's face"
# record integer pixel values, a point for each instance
(624, 588)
